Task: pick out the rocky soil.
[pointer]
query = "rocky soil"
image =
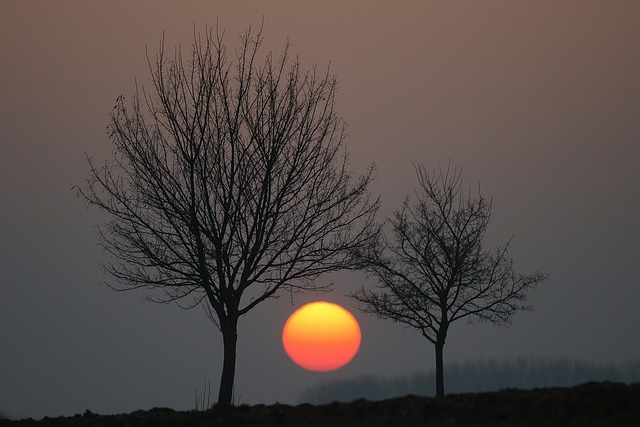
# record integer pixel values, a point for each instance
(591, 404)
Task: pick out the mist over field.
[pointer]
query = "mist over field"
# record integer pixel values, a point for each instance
(475, 376)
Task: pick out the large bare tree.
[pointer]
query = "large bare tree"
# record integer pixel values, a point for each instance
(434, 270)
(229, 183)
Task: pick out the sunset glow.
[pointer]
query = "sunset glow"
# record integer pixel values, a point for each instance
(321, 336)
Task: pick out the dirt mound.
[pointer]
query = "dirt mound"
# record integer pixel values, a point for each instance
(591, 404)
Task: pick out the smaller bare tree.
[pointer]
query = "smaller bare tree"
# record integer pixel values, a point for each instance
(435, 271)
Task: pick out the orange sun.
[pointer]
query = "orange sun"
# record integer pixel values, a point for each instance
(321, 336)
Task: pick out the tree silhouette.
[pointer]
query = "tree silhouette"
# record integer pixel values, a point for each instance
(229, 184)
(435, 271)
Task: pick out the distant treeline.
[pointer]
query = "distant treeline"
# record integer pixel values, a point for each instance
(476, 376)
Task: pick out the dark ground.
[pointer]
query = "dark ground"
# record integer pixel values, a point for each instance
(590, 404)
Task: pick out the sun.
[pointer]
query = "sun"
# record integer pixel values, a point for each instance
(321, 336)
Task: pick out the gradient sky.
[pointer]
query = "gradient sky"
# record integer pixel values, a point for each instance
(538, 100)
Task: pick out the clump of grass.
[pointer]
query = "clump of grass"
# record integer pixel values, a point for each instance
(203, 402)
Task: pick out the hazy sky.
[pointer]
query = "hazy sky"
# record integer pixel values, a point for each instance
(538, 100)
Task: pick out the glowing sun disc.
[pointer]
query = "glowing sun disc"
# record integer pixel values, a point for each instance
(321, 336)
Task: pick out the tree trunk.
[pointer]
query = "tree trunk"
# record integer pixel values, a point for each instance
(439, 369)
(229, 340)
